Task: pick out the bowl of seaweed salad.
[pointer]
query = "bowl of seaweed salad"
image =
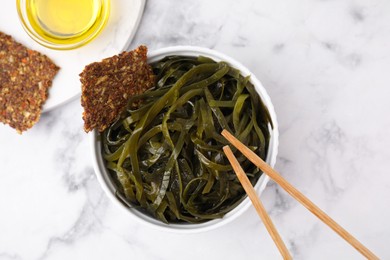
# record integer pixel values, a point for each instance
(162, 160)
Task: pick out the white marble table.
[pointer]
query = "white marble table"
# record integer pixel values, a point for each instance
(325, 65)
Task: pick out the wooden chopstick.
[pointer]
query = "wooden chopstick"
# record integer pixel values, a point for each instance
(275, 176)
(257, 203)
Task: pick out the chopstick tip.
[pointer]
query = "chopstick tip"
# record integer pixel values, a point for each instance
(225, 132)
(226, 148)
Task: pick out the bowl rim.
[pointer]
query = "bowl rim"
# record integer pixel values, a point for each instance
(109, 189)
(21, 10)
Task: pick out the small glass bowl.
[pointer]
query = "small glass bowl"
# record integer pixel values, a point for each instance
(67, 42)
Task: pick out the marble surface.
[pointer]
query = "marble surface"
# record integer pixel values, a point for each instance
(325, 65)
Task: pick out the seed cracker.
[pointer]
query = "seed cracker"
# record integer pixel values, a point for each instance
(107, 86)
(25, 77)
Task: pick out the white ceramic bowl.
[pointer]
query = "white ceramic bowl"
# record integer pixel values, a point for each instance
(108, 187)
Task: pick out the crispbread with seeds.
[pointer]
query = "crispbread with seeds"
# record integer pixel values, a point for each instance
(25, 77)
(107, 86)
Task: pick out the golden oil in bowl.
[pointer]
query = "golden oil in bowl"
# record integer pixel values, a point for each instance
(63, 24)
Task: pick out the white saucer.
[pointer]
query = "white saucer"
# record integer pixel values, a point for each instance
(115, 37)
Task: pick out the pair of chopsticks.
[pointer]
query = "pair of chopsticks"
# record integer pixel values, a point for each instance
(291, 190)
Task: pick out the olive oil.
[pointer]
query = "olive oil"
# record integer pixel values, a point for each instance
(67, 21)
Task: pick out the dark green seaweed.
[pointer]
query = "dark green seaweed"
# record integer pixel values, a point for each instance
(164, 153)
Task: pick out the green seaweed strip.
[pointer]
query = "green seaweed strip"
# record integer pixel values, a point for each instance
(168, 169)
(237, 110)
(164, 153)
(216, 103)
(217, 112)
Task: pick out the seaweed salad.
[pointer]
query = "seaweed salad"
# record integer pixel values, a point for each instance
(164, 154)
